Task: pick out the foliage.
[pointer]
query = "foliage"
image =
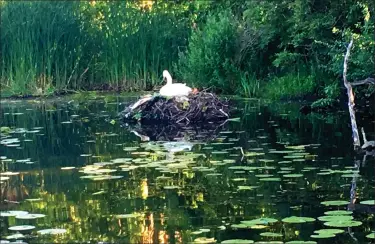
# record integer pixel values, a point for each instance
(209, 61)
(42, 48)
(331, 94)
(74, 45)
(290, 86)
(285, 48)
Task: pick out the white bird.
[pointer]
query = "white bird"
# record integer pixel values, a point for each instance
(173, 90)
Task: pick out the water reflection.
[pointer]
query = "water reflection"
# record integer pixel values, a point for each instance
(105, 182)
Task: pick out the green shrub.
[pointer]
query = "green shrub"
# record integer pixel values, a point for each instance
(209, 60)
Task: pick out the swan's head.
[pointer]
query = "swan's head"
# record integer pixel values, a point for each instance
(167, 76)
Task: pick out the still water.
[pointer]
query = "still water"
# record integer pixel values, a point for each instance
(273, 176)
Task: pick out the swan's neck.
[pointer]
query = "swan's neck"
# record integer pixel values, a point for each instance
(169, 78)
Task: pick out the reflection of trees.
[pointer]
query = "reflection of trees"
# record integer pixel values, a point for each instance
(88, 209)
(12, 191)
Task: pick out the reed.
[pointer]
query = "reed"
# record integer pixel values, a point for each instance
(41, 46)
(50, 46)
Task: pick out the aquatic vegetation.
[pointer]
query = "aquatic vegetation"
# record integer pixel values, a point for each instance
(51, 231)
(368, 202)
(239, 241)
(329, 231)
(22, 227)
(323, 235)
(343, 223)
(301, 242)
(204, 240)
(271, 234)
(297, 220)
(338, 212)
(334, 218)
(30, 216)
(259, 221)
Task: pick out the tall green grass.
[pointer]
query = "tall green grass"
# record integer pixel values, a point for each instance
(41, 46)
(58, 45)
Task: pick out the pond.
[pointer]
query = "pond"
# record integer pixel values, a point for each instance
(72, 173)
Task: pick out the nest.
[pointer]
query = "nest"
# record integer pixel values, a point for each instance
(200, 107)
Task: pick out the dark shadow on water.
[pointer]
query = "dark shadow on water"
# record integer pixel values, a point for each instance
(173, 132)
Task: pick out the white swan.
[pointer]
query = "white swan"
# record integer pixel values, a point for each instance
(173, 90)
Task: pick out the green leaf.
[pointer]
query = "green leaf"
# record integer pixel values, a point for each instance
(297, 220)
(322, 236)
(333, 218)
(338, 212)
(368, 202)
(259, 221)
(343, 223)
(235, 241)
(271, 234)
(335, 203)
(329, 231)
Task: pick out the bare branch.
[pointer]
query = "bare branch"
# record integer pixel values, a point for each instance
(363, 82)
(356, 140)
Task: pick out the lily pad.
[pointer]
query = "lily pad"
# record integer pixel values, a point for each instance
(235, 241)
(127, 216)
(258, 227)
(22, 227)
(371, 236)
(9, 173)
(293, 175)
(269, 242)
(51, 231)
(297, 220)
(13, 213)
(204, 230)
(335, 203)
(259, 221)
(253, 154)
(205, 240)
(30, 216)
(329, 231)
(34, 199)
(271, 234)
(15, 236)
(275, 179)
(368, 202)
(349, 223)
(301, 242)
(241, 188)
(264, 176)
(338, 212)
(334, 218)
(323, 236)
(67, 168)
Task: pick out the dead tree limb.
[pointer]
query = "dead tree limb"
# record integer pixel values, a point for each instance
(355, 134)
(363, 82)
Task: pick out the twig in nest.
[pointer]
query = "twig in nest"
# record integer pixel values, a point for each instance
(200, 107)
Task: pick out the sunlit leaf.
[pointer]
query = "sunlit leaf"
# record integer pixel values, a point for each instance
(51, 231)
(239, 241)
(297, 220)
(22, 227)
